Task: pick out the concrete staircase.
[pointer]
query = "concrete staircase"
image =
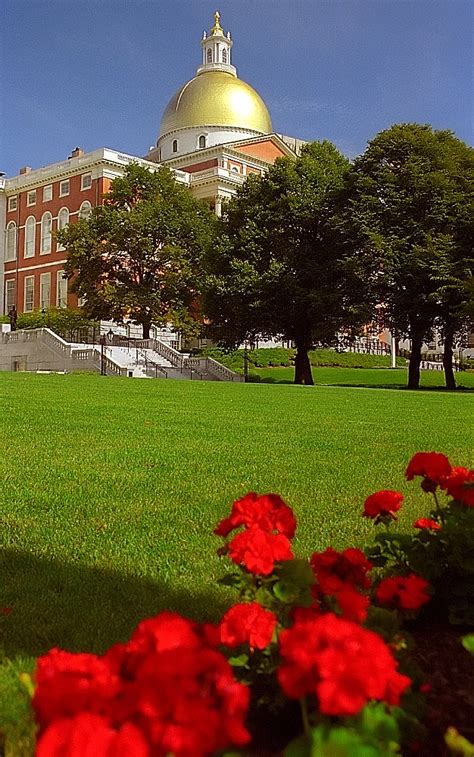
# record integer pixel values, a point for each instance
(43, 350)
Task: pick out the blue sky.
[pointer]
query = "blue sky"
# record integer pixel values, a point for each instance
(97, 73)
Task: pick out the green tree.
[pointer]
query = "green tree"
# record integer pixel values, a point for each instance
(409, 200)
(280, 268)
(139, 255)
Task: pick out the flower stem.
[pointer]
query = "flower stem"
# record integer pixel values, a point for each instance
(438, 508)
(304, 716)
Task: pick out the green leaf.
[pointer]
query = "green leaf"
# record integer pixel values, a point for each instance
(468, 643)
(240, 661)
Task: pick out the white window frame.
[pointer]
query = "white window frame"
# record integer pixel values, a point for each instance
(62, 188)
(61, 225)
(10, 241)
(48, 193)
(31, 198)
(85, 206)
(175, 142)
(26, 304)
(61, 290)
(199, 146)
(10, 294)
(13, 202)
(45, 291)
(85, 185)
(46, 238)
(30, 244)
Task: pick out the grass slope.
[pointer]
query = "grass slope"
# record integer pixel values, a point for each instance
(369, 377)
(112, 487)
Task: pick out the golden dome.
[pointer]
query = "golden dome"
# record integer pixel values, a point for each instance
(216, 98)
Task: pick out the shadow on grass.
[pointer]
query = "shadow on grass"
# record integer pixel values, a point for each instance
(462, 389)
(47, 603)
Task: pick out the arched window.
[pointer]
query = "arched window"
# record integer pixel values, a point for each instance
(209, 55)
(46, 223)
(30, 236)
(63, 220)
(224, 56)
(175, 145)
(202, 141)
(11, 241)
(85, 209)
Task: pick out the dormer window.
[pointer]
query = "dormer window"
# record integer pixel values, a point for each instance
(175, 145)
(202, 141)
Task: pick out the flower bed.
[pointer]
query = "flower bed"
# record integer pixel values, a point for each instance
(316, 650)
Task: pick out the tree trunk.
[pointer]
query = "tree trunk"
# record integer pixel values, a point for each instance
(448, 358)
(303, 373)
(415, 360)
(146, 329)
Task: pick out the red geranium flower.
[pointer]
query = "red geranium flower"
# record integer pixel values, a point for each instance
(166, 684)
(352, 604)
(460, 485)
(382, 503)
(434, 467)
(90, 735)
(268, 511)
(344, 664)
(68, 683)
(259, 551)
(335, 570)
(403, 592)
(426, 523)
(247, 623)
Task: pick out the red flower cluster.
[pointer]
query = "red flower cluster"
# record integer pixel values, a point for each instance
(434, 467)
(247, 623)
(403, 592)
(460, 485)
(166, 691)
(269, 525)
(342, 575)
(269, 512)
(382, 503)
(344, 664)
(426, 524)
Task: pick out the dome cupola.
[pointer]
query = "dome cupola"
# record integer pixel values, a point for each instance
(215, 106)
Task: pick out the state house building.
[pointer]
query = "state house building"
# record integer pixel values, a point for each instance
(215, 131)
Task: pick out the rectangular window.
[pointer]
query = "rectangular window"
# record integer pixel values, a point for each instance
(29, 293)
(31, 198)
(45, 290)
(9, 294)
(61, 290)
(86, 181)
(13, 203)
(48, 193)
(64, 188)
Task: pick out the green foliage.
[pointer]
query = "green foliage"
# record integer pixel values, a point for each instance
(139, 255)
(444, 558)
(468, 643)
(457, 744)
(409, 202)
(372, 733)
(60, 320)
(280, 268)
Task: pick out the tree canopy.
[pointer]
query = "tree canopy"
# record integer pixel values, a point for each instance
(139, 255)
(281, 268)
(409, 199)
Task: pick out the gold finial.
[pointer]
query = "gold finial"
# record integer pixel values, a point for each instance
(217, 28)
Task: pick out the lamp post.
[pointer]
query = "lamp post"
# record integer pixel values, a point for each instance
(102, 355)
(246, 363)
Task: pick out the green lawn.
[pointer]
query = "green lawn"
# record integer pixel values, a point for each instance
(378, 377)
(111, 489)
